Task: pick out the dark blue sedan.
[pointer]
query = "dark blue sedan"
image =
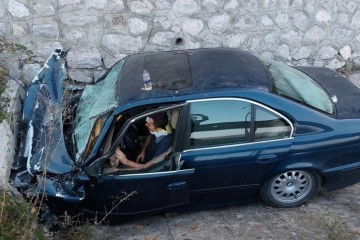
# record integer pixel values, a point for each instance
(242, 126)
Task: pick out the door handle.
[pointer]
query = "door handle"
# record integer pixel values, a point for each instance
(176, 186)
(267, 158)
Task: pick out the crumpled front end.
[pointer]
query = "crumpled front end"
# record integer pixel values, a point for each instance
(42, 146)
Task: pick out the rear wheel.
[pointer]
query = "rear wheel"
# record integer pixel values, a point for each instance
(290, 189)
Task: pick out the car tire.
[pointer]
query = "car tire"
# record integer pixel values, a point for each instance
(290, 189)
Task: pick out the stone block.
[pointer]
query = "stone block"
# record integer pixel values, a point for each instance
(49, 30)
(355, 78)
(30, 71)
(84, 58)
(120, 44)
(18, 9)
(83, 76)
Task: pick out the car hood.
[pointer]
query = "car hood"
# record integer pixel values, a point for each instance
(344, 93)
(42, 145)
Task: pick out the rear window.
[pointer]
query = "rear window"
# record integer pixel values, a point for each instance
(298, 86)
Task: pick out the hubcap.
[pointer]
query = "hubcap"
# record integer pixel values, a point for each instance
(292, 186)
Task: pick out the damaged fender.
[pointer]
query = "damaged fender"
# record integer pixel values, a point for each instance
(42, 145)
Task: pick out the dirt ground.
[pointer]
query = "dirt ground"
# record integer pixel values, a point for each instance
(334, 215)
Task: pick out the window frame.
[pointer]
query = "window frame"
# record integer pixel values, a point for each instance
(254, 104)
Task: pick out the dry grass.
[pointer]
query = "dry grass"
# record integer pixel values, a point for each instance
(16, 219)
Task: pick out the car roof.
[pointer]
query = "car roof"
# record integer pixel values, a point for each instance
(184, 72)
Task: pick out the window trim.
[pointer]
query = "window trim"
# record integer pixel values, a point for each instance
(253, 107)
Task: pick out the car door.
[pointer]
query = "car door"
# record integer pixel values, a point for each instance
(233, 144)
(138, 191)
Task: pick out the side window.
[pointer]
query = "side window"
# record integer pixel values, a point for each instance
(269, 126)
(219, 122)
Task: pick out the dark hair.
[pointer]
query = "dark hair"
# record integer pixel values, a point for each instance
(160, 120)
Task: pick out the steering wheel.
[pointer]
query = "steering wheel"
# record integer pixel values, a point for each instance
(129, 143)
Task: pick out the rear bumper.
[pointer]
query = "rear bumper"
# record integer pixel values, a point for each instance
(340, 177)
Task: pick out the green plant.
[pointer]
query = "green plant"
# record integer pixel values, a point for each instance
(8, 46)
(17, 220)
(4, 116)
(335, 229)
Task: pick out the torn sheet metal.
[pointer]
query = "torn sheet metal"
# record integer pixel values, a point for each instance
(42, 143)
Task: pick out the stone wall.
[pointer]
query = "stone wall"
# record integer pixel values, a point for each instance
(99, 32)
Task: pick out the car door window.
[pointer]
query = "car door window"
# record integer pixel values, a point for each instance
(269, 126)
(219, 122)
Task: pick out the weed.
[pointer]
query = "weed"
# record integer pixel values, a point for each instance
(4, 116)
(16, 220)
(335, 229)
(8, 46)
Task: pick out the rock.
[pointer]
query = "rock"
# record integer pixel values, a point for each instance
(235, 40)
(300, 20)
(282, 19)
(5, 29)
(120, 44)
(30, 71)
(83, 76)
(355, 21)
(164, 19)
(323, 16)
(219, 24)
(84, 58)
(292, 37)
(96, 4)
(44, 9)
(355, 79)
(116, 6)
(266, 20)
(18, 9)
(327, 52)
(335, 64)
(19, 31)
(163, 38)
(185, 7)
(192, 27)
(49, 30)
(345, 52)
(315, 34)
(79, 18)
(283, 51)
(302, 53)
(137, 26)
(143, 7)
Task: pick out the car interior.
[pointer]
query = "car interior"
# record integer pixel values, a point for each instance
(129, 133)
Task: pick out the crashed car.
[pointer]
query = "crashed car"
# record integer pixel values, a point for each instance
(242, 126)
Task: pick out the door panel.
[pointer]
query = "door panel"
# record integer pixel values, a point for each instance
(149, 192)
(232, 167)
(233, 143)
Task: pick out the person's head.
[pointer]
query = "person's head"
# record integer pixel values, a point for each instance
(157, 121)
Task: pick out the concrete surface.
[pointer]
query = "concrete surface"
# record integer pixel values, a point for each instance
(334, 215)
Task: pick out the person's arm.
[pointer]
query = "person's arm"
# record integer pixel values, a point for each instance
(141, 155)
(123, 159)
(158, 158)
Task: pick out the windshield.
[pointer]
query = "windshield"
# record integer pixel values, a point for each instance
(95, 100)
(294, 84)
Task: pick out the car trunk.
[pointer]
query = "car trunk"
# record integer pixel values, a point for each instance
(344, 93)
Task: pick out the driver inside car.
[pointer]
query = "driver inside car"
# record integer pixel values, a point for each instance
(155, 149)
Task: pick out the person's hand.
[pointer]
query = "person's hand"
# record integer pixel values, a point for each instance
(140, 157)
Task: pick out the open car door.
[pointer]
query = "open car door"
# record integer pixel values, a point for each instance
(139, 192)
